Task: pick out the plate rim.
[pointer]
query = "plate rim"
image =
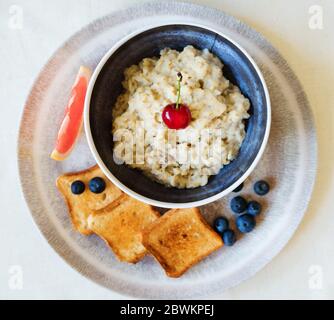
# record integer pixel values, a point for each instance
(52, 235)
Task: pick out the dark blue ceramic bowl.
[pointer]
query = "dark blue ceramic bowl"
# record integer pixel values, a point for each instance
(105, 86)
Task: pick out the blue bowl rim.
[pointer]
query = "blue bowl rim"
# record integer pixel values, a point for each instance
(108, 173)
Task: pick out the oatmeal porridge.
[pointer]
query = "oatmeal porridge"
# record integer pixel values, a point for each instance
(179, 158)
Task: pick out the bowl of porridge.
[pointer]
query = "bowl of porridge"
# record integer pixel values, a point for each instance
(177, 115)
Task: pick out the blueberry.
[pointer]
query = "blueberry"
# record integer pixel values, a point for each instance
(239, 187)
(229, 237)
(238, 204)
(254, 208)
(245, 223)
(221, 224)
(97, 185)
(77, 187)
(261, 187)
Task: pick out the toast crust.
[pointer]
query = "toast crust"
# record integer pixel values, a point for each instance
(168, 249)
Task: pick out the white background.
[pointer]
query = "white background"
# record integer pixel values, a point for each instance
(46, 24)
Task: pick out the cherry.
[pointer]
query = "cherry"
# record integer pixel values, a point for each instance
(177, 115)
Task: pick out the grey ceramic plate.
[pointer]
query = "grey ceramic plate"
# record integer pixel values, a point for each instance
(289, 162)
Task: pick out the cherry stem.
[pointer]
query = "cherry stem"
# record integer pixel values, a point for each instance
(179, 79)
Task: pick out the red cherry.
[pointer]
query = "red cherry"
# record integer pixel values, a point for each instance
(176, 118)
(177, 115)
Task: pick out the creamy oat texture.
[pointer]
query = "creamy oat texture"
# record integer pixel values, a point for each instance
(179, 158)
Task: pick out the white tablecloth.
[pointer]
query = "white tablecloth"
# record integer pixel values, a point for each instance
(30, 31)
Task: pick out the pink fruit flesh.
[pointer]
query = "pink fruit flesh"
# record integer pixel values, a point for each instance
(72, 123)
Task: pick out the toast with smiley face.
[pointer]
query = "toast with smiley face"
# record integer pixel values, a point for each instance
(98, 206)
(85, 192)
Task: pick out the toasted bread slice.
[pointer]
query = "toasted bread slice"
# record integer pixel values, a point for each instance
(180, 239)
(81, 206)
(121, 226)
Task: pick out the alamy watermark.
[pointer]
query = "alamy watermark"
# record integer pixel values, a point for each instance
(168, 147)
(315, 281)
(316, 21)
(15, 21)
(15, 277)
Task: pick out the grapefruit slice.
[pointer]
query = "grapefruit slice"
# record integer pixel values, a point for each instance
(70, 128)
